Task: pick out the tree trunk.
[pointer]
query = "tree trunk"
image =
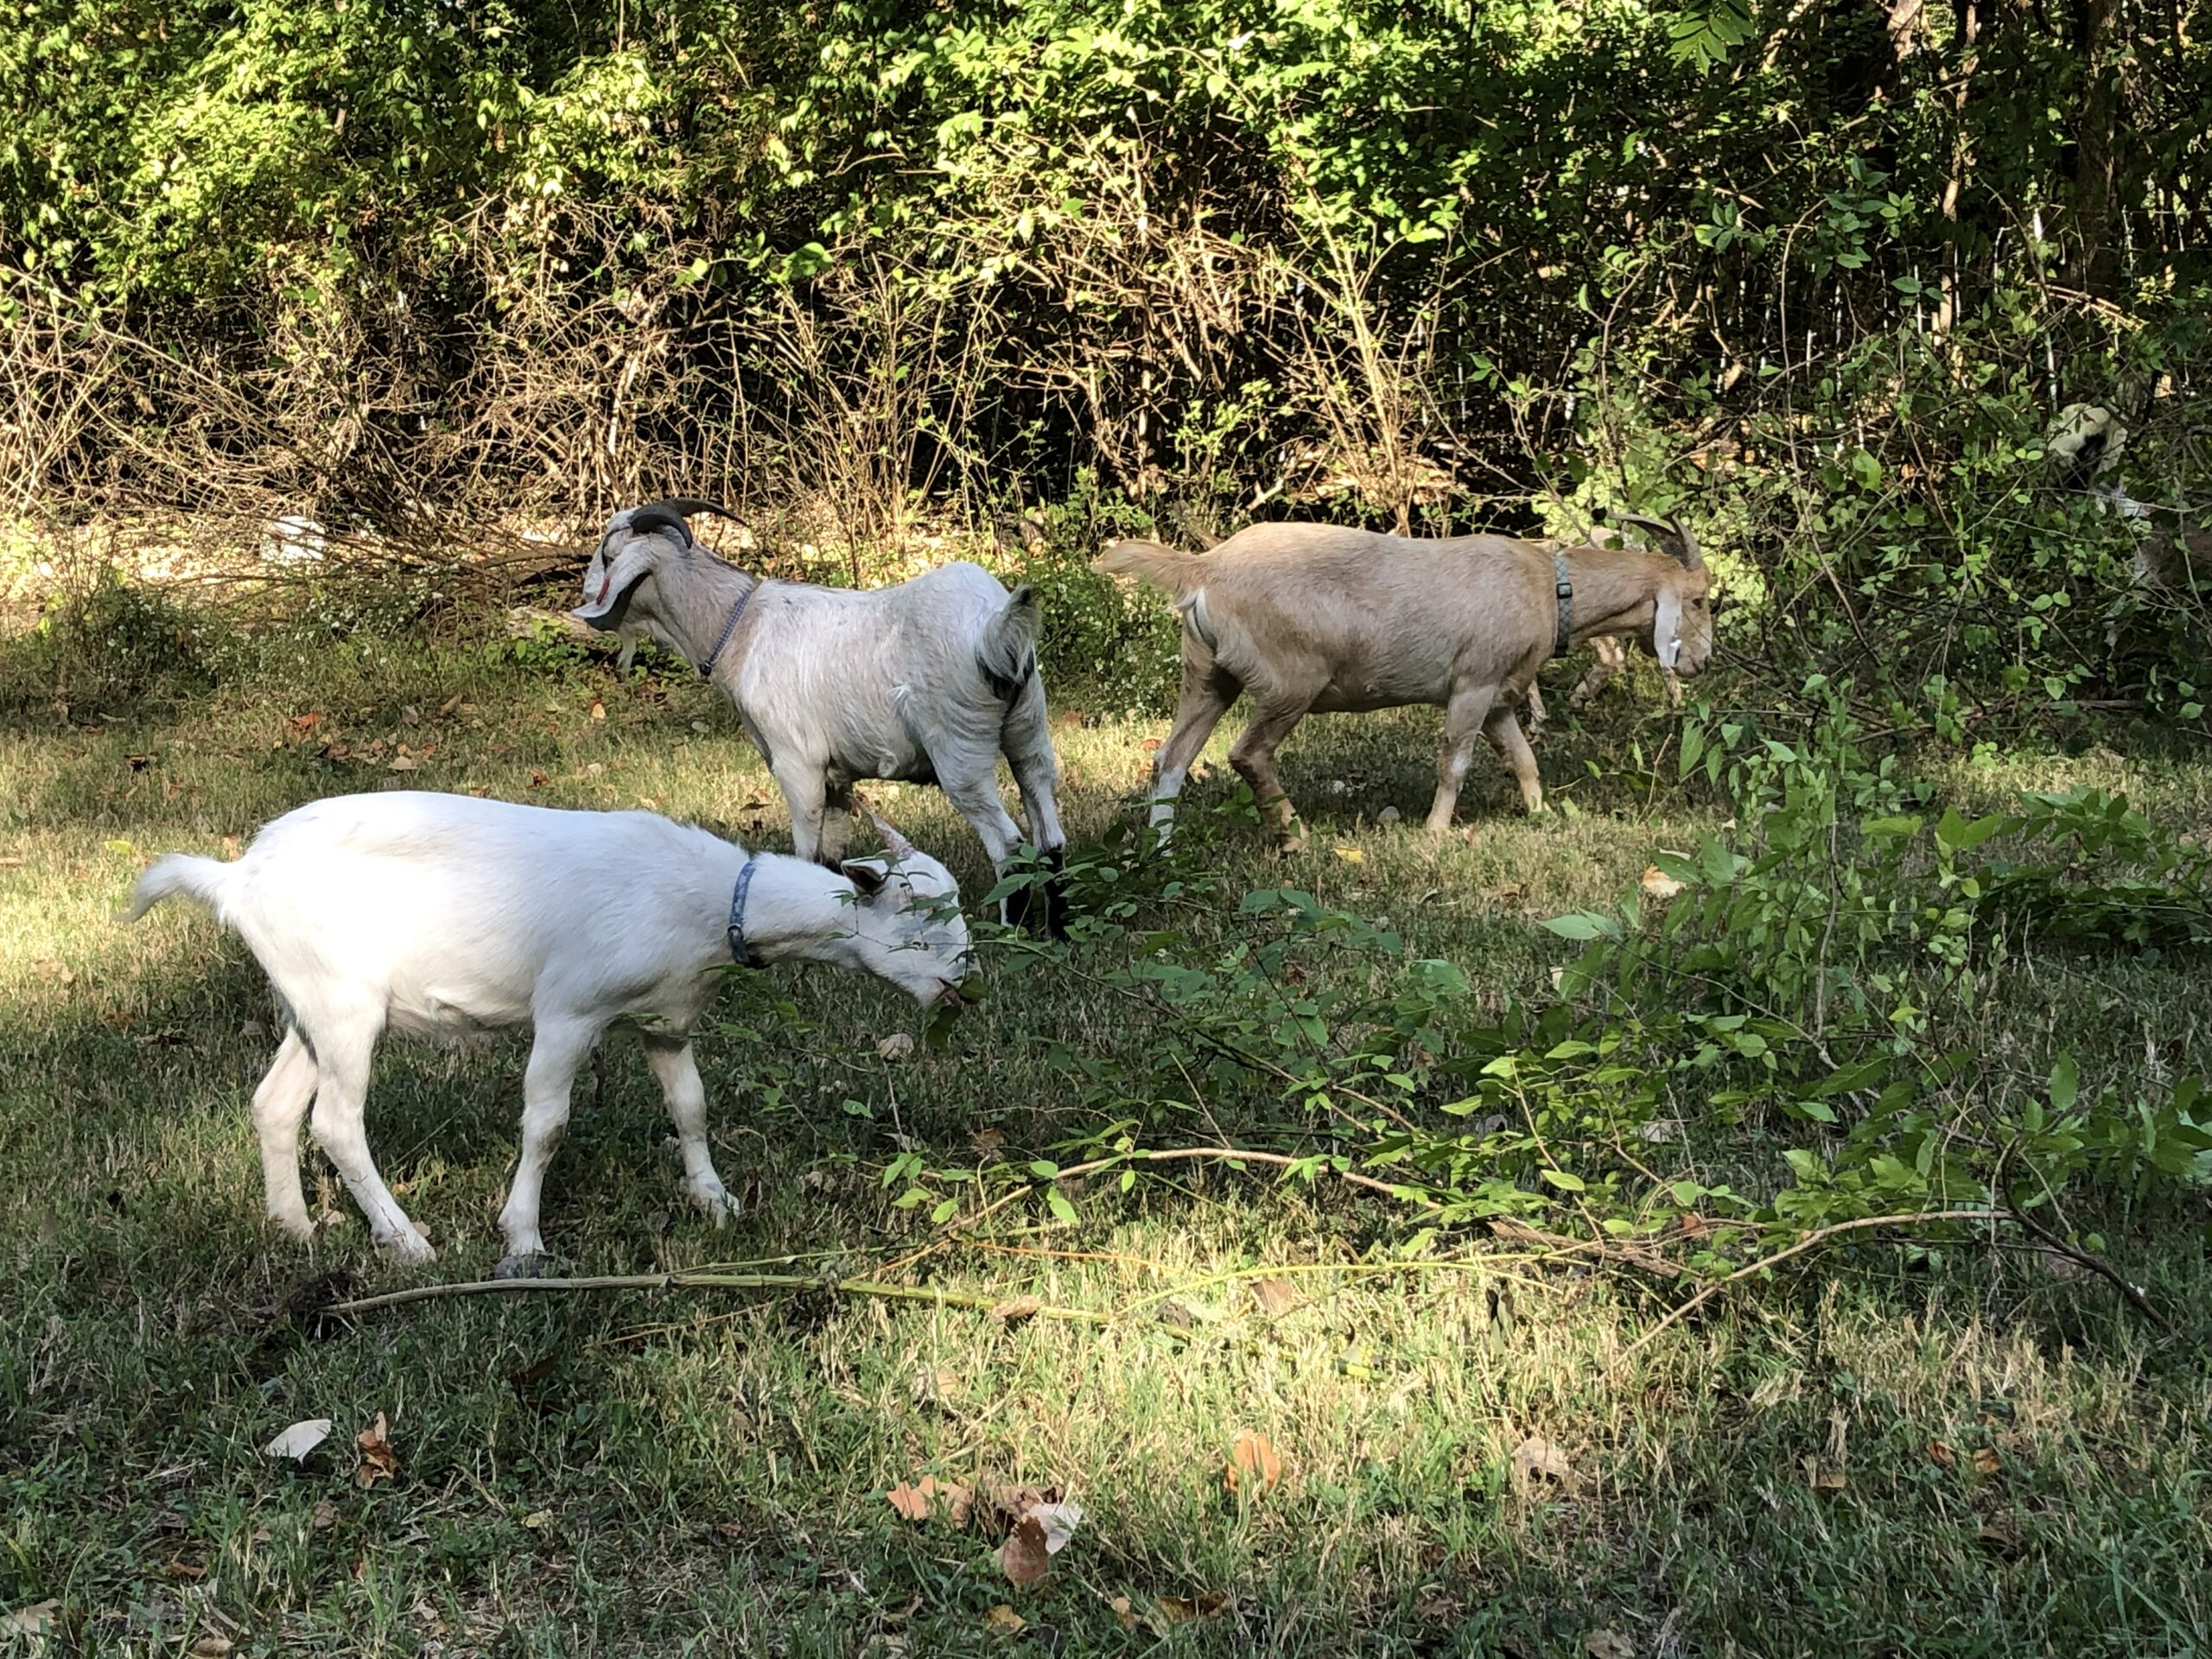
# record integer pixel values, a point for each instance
(2096, 264)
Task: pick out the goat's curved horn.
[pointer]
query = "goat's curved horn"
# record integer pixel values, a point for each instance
(673, 514)
(646, 520)
(688, 505)
(899, 846)
(1670, 535)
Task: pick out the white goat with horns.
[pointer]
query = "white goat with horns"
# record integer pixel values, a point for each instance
(1312, 618)
(445, 915)
(924, 681)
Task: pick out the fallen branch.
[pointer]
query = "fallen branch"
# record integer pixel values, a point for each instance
(2052, 1242)
(1181, 1154)
(1821, 1236)
(792, 1281)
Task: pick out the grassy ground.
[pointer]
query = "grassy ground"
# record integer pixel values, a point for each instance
(1879, 1457)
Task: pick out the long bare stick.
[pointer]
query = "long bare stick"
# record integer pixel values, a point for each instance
(702, 1281)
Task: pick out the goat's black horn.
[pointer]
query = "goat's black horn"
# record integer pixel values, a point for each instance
(1671, 536)
(672, 515)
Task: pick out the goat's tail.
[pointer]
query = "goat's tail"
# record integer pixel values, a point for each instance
(1006, 649)
(207, 882)
(1180, 574)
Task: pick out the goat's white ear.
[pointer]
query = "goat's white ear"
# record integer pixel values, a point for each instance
(1667, 628)
(867, 876)
(606, 580)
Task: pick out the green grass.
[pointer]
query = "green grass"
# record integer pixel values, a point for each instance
(2023, 1470)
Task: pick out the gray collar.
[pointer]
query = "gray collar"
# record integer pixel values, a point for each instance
(1565, 589)
(739, 951)
(728, 628)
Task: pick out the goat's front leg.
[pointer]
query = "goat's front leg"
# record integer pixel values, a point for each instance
(555, 1056)
(677, 1073)
(280, 1104)
(837, 826)
(805, 791)
(1463, 723)
(1505, 735)
(1612, 657)
(344, 1045)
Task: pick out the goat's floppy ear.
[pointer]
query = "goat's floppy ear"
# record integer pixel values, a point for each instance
(1667, 628)
(899, 846)
(867, 876)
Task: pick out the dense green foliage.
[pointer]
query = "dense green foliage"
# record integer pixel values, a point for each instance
(1819, 274)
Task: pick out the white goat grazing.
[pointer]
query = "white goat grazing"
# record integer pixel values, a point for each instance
(444, 915)
(925, 682)
(1312, 618)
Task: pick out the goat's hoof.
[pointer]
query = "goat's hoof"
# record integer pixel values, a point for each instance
(530, 1266)
(410, 1247)
(715, 1203)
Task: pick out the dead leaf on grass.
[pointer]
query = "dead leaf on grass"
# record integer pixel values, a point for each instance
(1820, 1477)
(1536, 1459)
(1023, 1557)
(1015, 1309)
(1940, 1454)
(302, 724)
(1985, 1459)
(930, 1496)
(933, 1388)
(1252, 1466)
(324, 1517)
(37, 1619)
(1608, 1644)
(1179, 1609)
(299, 1440)
(378, 1461)
(897, 1046)
(986, 1142)
(210, 1647)
(598, 709)
(1276, 1294)
(1002, 1620)
(1123, 1612)
(1657, 884)
(538, 1520)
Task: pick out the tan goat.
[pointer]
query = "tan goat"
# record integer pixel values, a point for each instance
(1312, 617)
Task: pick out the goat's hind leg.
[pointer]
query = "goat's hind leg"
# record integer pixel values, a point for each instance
(555, 1056)
(1027, 740)
(1254, 757)
(1205, 697)
(677, 1073)
(280, 1106)
(344, 1044)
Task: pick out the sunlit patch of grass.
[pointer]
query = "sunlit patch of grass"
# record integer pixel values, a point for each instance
(2020, 1470)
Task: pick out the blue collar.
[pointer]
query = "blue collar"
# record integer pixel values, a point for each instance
(1565, 591)
(741, 952)
(730, 628)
